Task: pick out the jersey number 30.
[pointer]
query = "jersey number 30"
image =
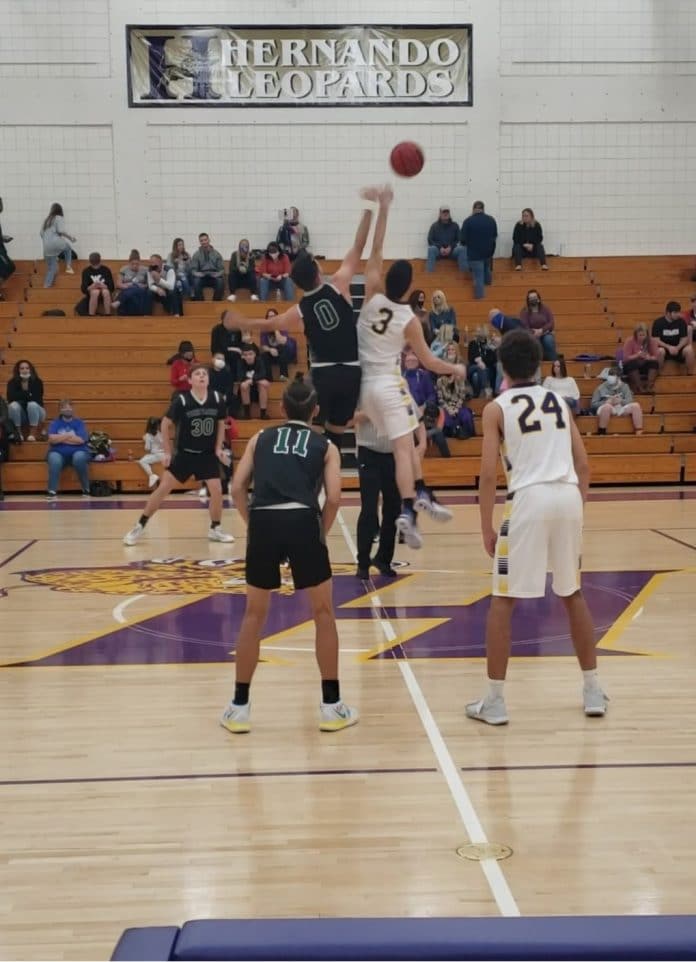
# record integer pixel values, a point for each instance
(549, 405)
(282, 445)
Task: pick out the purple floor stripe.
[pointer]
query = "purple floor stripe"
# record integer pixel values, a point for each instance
(17, 553)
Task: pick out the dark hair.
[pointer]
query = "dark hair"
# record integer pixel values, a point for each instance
(478, 205)
(531, 291)
(199, 366)
(185, 347)
(520, 355)
(528, 210)
(562, 365)
(55, 211)
(271, 312)
(175, 242)
(304, 272)
(153, 425)
(32, 369)
(413, 299)
(134, 255)
(398, 280)
(672, 306)
(300, 400)
(94, 258)
(203, 234)
(273, 246)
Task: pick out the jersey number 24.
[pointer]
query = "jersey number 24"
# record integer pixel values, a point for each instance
(549, 405)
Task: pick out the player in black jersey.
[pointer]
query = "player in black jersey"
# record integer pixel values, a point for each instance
(199, 418)
(326, 312)
(289, 464)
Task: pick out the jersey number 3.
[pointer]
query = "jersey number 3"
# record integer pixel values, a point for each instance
(549, 405)
(282, 445)
(379, 327)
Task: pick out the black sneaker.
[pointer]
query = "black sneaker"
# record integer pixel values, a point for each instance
(384, 569)
(362, 573)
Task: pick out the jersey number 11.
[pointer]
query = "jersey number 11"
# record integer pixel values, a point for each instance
(282, 445)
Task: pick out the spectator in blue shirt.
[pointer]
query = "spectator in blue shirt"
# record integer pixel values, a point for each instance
(443, 241)
(67, 445)
(479, 235)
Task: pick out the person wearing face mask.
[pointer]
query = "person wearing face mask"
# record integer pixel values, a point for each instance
(538, 319)
(417, 304)
(293, 237)
(67, 445)
(25, 400)
(220, 377)
(482, 368)
(161, 282)
(180, 364)
(613, 398)
(274, 272)
(242, 271)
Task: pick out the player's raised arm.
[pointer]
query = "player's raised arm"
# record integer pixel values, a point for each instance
(289, 320)
(414, 335)
(580, 460)
(351, 262)
(490, 451)
(241, 478)
(332, 487)
(374, 282)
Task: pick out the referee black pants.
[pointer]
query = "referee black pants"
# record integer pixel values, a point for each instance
(377, 474)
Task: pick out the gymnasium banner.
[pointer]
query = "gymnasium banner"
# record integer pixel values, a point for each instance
(347, 66)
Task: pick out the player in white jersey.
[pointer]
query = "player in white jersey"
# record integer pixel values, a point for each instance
(385, 325)
(548, 481)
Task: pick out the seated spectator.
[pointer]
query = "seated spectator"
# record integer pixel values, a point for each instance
(67, 445)
(482, 363)
(226, 339)
(220, 378)
(443, 241)
(452, 395)
(25, 399)
(641, 361)
(161, 281)
(154, 450)
(419, 381)
(528, 240)
(277, 347)
(181, 364)
(433, 424)
(417, 304)
(134, 297)
(690, 318)
(180, 259)
(478, 237)
(443, 323)
(672, 336)
(503, 323)
(207, 269)
(254, 383)
(538, 319)
(274, 273)
(293, 237)
(249, 344)
(56, 243)
(97, 285)
(559, 382)
(242, 271)
(613, 398)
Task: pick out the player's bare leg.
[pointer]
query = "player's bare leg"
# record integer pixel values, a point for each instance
(582, 633)
(163, 489)
(491, 709)
(236, 717)
(334, 713)
(215, 533)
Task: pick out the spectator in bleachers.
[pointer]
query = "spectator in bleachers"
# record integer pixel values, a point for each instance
(249, 344)
(67, 445)
(613, 398)
(641, 360)
(478, 236)
(226, 339)
(277, 347)
(538, 319)
(25, 399)
(433, 427)
(181, 364)
(690, 318)
(293, 237)
(220, 378)
(154, 450)
(7, 266)
(180, 259)
(97, 285)
(560, 382)
(452, 395)
(242, 271)
(419, 381)
(443, 241)
(528, 240)
(482, 363)
(672, 336)
(161, 282)
(134, 297)
(274, 273)
(254, 383)
(207, 269)
(443, 322)
(56, 242)
(417, 304)
(502, 323)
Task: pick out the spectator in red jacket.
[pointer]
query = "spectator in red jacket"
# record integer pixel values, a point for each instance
(181, 364)
(274, 272)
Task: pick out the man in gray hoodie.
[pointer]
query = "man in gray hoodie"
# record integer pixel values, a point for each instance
(207, 270)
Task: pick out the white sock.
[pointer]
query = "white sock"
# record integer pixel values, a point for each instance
(590, 679)
(495, 688)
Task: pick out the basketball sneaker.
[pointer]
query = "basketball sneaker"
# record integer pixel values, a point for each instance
(384, 568)
(492, 711)
(236, 718)
(134, 535)
(594, 702)
(335, 717)
(426, 501)
(215, 534)
(406, 525)
(152, 480)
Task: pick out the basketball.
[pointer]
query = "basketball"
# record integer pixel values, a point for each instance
(407, 159)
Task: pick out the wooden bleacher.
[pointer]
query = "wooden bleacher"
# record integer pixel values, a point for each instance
(123, 378)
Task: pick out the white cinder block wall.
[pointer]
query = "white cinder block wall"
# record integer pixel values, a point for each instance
(583, 109)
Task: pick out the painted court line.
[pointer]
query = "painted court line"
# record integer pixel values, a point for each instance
(491, 868)
(671, 537)
(16, 554)
(581, 766)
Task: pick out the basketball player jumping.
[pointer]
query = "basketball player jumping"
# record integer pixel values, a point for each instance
(385, 325)
(548, 481)
(289, 464)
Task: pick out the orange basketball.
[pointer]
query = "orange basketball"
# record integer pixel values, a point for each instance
(407, 159)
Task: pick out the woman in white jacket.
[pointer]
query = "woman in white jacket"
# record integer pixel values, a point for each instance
(567, 387)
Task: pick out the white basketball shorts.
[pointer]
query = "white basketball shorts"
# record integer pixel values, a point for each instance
(387, 402)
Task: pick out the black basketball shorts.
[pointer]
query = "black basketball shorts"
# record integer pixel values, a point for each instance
(203, 467)
(338, 390)
(275, 535)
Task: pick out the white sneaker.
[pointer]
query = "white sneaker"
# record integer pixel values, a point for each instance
(216, 534)
(594, 702)
(203, 493)
(69, 270)
(407, 526)
(152, 481)
(236, 718)
(30, 437)
(332, 718)
(232, 297)
(426, 501)
(492, 711)
(254, 297)
(134, 535)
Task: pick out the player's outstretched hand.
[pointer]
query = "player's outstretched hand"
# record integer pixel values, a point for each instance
(370, 193)
(489, 541)
(386, 195)
(460, 372)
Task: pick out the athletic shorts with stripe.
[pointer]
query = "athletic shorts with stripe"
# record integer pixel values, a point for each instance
(387, 402)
